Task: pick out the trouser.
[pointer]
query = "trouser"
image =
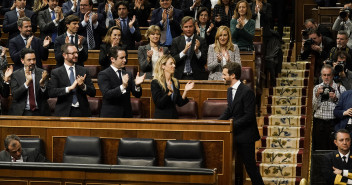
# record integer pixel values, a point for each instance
(323, 134)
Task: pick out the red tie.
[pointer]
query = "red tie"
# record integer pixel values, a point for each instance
(31, 97)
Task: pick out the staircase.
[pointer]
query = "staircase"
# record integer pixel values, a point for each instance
(283, 107)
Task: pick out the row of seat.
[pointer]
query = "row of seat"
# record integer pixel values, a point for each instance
(131, 151)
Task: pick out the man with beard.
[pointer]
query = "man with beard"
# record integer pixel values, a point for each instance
(70, 84)
(29, 88)
(26, 40)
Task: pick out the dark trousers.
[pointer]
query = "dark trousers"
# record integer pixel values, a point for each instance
(323, 131)
(75, 112)
(245, 154)
(31, 113)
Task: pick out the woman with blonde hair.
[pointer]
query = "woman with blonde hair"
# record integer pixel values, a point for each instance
(221, 52)
(111, 39)
(166, 89)
(150, 53)
(243, 27)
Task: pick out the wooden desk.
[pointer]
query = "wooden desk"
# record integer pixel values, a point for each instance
(215, 135)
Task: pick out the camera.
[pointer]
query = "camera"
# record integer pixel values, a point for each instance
(328, 62)
(343, 14)
(340, 66)
(325, 94)
(307, 44)
(305, 33)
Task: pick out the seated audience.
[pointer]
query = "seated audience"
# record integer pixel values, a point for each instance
(51, 22)
(223, 12)
(337, 165)
(128, 25)
(342, 75)
(70, 7)
(11, 18)
(243, 27)
(71, 84)
(323, 30)
(325, 97)
(71, 36)
(166, 89)
(29, 88)
(107, 8)
(112, 38)
(341, 45)
(92, 25)
(190, 53)
(141, 9)
(220, 53)
(168, 19)
(149, 54)
(26, 39)
(343, 22)
(116, 85)
(204, 27)
(14, 153)
(191, 7)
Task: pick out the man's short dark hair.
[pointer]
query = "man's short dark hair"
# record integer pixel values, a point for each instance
(10, 138)
(234, 68)
(21, 20)
(113, 52)
(71, 18)
(341, 131)
(310, 20)
(341, 54)
(124, 3)
(186, 19)
(26, 51)
(312, 31)
(327, 66)
(65, 46)
(90, 2)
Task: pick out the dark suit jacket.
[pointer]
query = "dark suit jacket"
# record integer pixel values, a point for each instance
(145, 66)
(129, 39)
(66, 7)
(174, 24)
(186, 4)
(104, 59)
(345, 102)
(115, 104)
(10, 22)
(47, 26)
(57, 88)
(98, 32)
(7, 4)
(242, 111)
(82, 55)
(33, 156)
(165, 106)
(20, 93)
(210, 39)
(265, 17)
(16, 44)
(4, 89)
(178, 44)
(333, 159)
(141, 15)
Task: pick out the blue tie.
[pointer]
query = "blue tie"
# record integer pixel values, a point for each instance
(54, 35)
(189, 57)
(124, 26)
(168, 40)
(72, 79)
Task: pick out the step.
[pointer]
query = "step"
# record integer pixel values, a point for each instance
(286, 100)
(291, 81)
(283, 131)
(300, 65)
(297, 91)
(280, 156)
(286, 110)
(282, 143)
(280, 170)
(294, 73)
(281, 181)
(277, 120)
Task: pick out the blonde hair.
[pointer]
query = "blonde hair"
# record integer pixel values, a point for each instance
(38, 5)
(236, 15)
(107, 38)
(229, 45)
(159, 74)
(151, 30)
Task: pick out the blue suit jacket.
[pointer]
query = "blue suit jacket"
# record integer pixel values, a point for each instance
(345, 102)
(16, 44)
(66, 7)
(10, 22)
(174, 24)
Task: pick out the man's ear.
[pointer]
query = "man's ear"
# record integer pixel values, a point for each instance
(233, 76)
(335, 142)
(22, 60)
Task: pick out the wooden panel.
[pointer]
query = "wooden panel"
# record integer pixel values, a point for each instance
(13, 182)
(44, 183)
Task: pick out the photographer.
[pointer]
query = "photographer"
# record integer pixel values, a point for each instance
(325, 97)
(342, 75)
(343, 22)
(312, 24)
(341, 45)
(317, 45)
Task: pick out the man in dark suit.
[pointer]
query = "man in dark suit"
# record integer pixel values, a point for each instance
(241, 108)
(116, 85)
(130, 33)
(71, 36)
(8, 5)
(29, 88)
(71, 7)
(164, 15)
(337, 165)
(51, 22)
(190, 7)
(71, 84)
(26, 40)
(92, 25)
(13, 152)
(190, 53)
(11, 18)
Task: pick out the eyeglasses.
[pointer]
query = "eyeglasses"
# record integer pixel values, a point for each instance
(73, 53)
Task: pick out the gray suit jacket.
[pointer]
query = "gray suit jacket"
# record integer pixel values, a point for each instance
(33, 156)
(47, 26)
(20, 93)
(147, 67)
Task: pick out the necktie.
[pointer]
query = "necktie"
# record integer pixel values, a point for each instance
(31, 97)
(91, 41)
(13, 159)
(25, 42)
(344, 159)
(124, 26)
(188, 60)
(229, 96)
(72, 79)
(53, 17)
(72, 39)
(168, 40)
(120, 75)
